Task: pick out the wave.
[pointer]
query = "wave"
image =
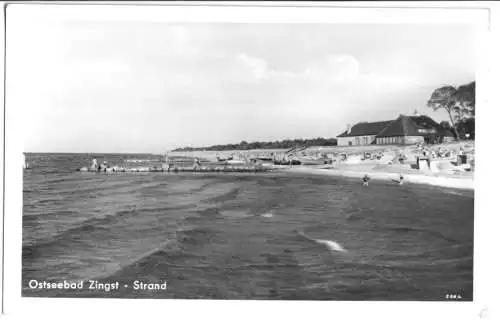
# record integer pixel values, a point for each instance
(236, 214)
(62, 178)
(229, 195)
(453, 192)
(48, 171)
(33, 250)
(203, 187)
(240, 214)
(138, 262)
(195, 235)
(73, 191)
(48, 200)
(421, 230)
(91, 225)
(331, 245)
(267, 215)
(209, 212)
(417, 263)
(170, 253)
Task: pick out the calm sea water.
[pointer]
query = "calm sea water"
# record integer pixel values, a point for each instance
(237, 236)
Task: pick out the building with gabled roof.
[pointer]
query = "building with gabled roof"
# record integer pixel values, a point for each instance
(403, 130)
(362, 133)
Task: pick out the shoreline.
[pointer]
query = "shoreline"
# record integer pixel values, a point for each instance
(465, 183)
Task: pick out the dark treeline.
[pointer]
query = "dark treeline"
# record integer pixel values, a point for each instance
(463, 127)
(288, 143)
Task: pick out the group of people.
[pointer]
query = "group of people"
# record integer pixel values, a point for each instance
(440, 152)
(99, 167)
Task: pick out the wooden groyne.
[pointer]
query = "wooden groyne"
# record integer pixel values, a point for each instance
(175, 169)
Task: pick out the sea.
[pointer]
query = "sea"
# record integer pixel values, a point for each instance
(255, 236)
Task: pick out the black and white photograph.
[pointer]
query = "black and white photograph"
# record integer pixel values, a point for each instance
(241, 160)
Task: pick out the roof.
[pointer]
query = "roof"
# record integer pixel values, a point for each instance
(364, 129)
(427, 122)
(402, 126)
(413, 126)
(344, 134)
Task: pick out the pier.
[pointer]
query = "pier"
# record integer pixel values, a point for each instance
(176, 169)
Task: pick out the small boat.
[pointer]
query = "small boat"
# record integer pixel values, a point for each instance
(232, 162)
(263, 159)
(314, 161)
(219, 159)
(287, 162)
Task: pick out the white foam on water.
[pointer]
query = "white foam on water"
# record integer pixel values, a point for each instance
(236, 214)
(331, 245)
(267, 215)
(452, 192)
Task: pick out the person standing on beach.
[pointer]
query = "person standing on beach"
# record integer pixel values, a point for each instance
(164, 166)
(365, 180)
(94, 164)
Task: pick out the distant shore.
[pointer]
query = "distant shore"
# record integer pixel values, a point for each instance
(439, 180)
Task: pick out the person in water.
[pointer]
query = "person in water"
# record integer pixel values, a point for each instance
(401, 179)
(365, 180)
(25, 164)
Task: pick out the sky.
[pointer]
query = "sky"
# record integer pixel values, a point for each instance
(147, 87)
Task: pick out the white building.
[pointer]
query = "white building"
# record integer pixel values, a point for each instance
(361, 133)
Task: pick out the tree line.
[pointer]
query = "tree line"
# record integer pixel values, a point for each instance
(284, 144)
(460, 104)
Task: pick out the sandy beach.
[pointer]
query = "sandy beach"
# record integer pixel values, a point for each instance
(443, 172)
(440, 180)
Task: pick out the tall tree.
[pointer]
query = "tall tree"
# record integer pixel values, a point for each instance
(466, 100)
(459, 102)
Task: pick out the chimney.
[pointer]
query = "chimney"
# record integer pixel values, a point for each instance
(348, 128)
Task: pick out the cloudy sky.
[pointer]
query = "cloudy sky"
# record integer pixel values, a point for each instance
(117, 86)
